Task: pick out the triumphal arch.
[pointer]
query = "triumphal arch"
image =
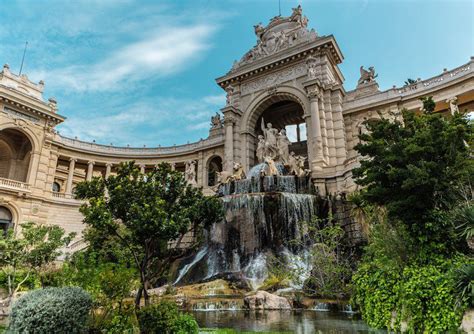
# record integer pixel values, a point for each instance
(290, 78)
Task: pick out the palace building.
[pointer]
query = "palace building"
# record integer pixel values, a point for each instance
(290, 78)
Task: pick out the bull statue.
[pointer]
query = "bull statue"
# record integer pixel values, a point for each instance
(236, 174)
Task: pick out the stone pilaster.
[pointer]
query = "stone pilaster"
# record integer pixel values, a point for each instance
(324, 134)
(339, 130)
(330, 128)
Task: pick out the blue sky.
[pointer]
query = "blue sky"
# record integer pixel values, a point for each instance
(142, 72)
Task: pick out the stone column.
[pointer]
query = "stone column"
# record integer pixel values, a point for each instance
(90, 170)
(173, 166)
(229, 143)
(142, 168)
(108, 169)
(70, 175)
(318, 157)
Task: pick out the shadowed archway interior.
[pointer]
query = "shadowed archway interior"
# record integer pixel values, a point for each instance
(15, 152)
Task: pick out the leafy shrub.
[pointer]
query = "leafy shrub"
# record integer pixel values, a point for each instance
(423, 296)
(164, 318)
(51, 310)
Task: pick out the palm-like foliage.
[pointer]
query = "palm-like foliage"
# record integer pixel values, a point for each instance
(464, 285)
(464, 223)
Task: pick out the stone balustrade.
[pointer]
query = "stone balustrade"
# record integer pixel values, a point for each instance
(354, 102)
(136, 151)
(14, 185)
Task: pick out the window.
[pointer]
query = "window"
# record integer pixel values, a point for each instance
(56, 187)
(5, 219)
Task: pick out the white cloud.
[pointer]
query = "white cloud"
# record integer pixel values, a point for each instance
(190, 120)
(166, 51)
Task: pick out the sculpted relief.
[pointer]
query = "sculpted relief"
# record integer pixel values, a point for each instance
(274, 79)
(271, 40)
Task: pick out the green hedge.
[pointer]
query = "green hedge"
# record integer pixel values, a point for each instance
(51, 310)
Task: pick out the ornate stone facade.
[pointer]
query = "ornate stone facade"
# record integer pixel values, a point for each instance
(290, 78)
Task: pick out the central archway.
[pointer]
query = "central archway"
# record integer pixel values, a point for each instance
(285, 109)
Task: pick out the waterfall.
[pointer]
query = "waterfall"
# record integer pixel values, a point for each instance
(199, 256)
(256, 271)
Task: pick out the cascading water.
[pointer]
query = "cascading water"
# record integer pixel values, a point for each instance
(263, 217)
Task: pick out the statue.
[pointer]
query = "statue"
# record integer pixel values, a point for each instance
(367, 76)
(311, 65)
(236, 174)
(261, 149)
(453, 104)
(270, 135)
(216, 121)
(297, 14)
(296, 165)
(259, 30)
(283, 144)
(271, 168)
(230, 92)
(190, 172)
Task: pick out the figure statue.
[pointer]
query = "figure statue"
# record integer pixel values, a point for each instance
(311, 65)
(297, 14)
(283, 144)
(367, 76)
(190, 172)
(230, 92)
(453, 105)
(261, 148)
(216, 121)
(259, 30)
(270, 135)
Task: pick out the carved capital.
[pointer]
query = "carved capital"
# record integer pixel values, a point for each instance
(91, 163)
(229, 120)
(314, 92)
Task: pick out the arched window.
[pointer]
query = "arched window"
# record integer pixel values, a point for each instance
(56, 187)
(5, 219)
(215, 166)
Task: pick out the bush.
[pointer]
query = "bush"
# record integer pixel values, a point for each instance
(51, 310)
(423, 296)
(164, 318)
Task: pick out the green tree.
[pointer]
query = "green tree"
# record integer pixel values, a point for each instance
(148, 214)
(36, 247)
(416, 169)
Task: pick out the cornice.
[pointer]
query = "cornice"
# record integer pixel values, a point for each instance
(7, 95)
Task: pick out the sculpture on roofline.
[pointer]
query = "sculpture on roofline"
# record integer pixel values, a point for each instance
(367, 76)
(216, 121)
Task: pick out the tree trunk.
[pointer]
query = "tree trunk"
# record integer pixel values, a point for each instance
(138, 297)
